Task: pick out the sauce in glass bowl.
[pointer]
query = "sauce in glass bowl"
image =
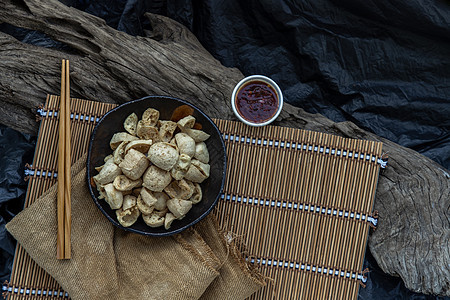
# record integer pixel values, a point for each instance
(257, 100)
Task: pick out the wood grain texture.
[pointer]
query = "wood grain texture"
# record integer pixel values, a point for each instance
(412, 238)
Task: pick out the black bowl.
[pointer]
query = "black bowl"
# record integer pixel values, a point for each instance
(112, 122)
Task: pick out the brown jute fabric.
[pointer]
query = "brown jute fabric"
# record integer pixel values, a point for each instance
(110, 263)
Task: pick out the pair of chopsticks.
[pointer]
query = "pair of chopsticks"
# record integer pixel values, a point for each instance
(64, 215)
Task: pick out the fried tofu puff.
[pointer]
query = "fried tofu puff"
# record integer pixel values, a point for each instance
(180, 169)
(108, 173)
(166, 130)
(139, 145)
(113, 197)
(198, 171)
(130, 124)
(134, 164)
(147, 131)
(127, 217)
(180, 189)
(186, 144)
(201, 152)
(153, 220)
(119, 138)
(151, 116)
(179, 207)
(197, 135)
(123, 183)
(163, 155)
(156, 179)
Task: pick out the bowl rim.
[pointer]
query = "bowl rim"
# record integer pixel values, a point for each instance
(88, 169)
(260, 78)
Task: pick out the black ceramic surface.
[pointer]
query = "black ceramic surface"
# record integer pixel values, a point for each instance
(112, 122)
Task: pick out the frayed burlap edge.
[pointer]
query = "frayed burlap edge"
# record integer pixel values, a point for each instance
(193, 242)
(233, 243)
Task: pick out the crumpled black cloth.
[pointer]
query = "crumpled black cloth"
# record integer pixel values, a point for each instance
(384, 65)
(16, 149)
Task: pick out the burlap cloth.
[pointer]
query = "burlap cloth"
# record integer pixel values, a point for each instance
(111, 263)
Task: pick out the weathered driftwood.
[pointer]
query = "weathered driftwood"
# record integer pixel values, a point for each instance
(412, 238)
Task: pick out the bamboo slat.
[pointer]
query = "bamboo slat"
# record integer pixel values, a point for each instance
(300, 202)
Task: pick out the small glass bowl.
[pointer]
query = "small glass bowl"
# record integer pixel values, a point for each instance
(257, 78)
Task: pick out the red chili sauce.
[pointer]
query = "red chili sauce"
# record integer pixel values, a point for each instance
(256, 101)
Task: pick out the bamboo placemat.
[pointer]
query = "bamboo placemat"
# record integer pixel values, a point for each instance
(299, 201)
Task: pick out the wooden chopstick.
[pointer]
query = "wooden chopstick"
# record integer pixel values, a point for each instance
(64, 217)
(60, 254)
(67, 173)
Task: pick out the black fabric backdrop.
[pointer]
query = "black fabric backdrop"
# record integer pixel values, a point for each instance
(384, 65)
